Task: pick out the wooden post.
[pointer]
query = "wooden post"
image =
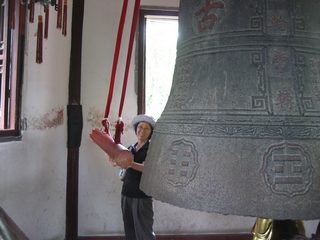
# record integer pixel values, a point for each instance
(74, 124)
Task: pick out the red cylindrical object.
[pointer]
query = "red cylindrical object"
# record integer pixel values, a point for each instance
(120, 154)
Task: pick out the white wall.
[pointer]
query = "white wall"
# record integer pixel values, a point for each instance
(33, 170)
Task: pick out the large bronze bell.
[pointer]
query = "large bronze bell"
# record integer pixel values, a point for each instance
(240, 132)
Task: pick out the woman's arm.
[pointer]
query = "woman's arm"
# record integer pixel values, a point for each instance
(137, 166)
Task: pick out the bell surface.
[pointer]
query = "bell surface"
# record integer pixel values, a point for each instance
(240, 132)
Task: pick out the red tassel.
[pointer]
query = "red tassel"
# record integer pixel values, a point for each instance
(12, 13)
(59, 17)
(105, 123)
(39, 40)
(65, 13)
(119, 131)
(31, 15)
(46, 24)
(22, 25)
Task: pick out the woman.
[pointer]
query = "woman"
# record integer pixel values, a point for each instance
(137, 207)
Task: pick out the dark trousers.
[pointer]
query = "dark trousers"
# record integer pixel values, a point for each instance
(137, 216)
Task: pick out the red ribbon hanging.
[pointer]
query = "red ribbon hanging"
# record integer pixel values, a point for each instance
(46, 24)
(64, 20)
(39, 40)
(105, 122)
(12, 13)
(59, 14)
(23, 12)
(31, 14)
(120, 124)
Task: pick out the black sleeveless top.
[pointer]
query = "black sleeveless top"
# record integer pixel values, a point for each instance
(131, 182)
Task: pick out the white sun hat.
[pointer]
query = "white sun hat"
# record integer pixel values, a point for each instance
(142, 118)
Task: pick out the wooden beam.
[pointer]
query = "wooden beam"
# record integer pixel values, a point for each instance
(9, 229)
(241, 236)
(74, 126)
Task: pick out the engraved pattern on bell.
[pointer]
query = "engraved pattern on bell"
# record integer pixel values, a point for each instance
(182, 163)
(287, 169)
(246, 96)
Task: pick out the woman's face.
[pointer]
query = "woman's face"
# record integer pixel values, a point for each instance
(143, 131)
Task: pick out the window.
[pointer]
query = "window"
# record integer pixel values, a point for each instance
(12, 26)
(158, 32)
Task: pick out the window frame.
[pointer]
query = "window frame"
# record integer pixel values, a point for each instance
(14, 28)
(141, 56)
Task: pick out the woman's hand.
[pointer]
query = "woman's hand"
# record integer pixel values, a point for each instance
(124, 159)
(114, 164)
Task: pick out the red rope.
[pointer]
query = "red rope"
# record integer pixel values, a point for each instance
(120, 124)
(12, 13)
(59, 15)
(23, 14)
(31, 16)
(115, 63)
(46, 23)
(39, 49)
(64, 19)
(132, 34)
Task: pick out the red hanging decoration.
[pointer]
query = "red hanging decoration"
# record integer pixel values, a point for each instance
(43, 27)
(119, 130)
(39, 40)
(12, 13)
(65, 13)
(23, 12)
(59, 16)
(46, 24)
(31, 14)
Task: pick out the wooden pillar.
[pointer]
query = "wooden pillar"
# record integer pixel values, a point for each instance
(74, 121)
